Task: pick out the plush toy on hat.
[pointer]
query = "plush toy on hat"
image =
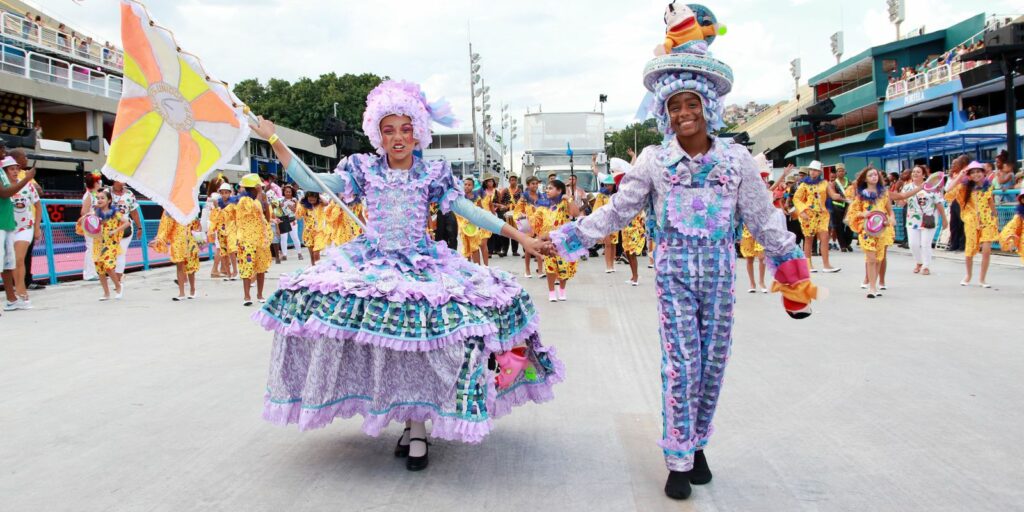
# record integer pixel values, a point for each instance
(686, 23)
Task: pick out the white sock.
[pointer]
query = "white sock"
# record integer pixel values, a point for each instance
(417, 429)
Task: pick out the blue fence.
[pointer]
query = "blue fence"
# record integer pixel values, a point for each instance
(61, 252)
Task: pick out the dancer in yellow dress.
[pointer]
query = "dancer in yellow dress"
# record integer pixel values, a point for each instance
(634, 238)
(870, 196)
(751, 250)
(252, 219)
(1013, 231)
(560, 211)
(178, 241)
(223, 232)
(602, 198)
(315, 230)
(978, 210)
(107, 246)
(342, 228)
(525, 211)
(810, 202)
(472, 243)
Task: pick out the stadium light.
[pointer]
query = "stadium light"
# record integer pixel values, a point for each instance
(837, 45)
(897, 14)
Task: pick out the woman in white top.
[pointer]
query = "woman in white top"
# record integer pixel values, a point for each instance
(288, 205)
(125, 202)
(28, 216)
(93, 182)
(922, 210)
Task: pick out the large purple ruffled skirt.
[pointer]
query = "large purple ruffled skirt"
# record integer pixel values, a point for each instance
(401, 335)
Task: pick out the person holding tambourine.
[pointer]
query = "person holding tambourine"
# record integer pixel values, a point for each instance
(870, 215)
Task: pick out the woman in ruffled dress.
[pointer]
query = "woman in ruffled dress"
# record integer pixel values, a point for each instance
(179, 243)
(394, 326)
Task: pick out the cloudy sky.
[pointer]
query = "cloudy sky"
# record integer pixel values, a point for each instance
(558, 55)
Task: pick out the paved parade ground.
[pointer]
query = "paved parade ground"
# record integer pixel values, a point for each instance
(907, 402)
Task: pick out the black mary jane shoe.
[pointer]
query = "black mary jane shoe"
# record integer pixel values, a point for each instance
(418, 463)
(678, 485)
(402, 450)
(701, 473)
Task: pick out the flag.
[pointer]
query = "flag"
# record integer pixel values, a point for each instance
(174, 125)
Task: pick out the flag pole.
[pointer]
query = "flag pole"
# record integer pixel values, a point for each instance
(312, 175)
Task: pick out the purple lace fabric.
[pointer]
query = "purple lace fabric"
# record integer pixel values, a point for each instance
(668, 180)
(396, 327)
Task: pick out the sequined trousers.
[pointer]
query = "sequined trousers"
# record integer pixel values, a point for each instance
(695, 289)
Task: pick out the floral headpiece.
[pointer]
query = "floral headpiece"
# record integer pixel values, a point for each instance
(404, 98)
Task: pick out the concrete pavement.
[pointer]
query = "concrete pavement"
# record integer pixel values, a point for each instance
(907, 402)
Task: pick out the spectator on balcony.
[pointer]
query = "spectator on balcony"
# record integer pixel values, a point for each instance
(106, 53)
(27, 27)
(83, 48)
(63, 42)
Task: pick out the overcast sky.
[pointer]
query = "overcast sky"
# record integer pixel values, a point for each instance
(558, 54)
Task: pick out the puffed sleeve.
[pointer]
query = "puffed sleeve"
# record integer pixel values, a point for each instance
(442, 186)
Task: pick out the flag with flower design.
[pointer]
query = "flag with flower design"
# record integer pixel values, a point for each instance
(174, 124)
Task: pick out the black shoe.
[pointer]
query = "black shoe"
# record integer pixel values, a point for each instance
(678, 485)
(402, 450)
(36, 286)
(701, 473)
(515, 253)
(418, 463)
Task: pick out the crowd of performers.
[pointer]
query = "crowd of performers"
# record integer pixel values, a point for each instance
(398, 318)
(822, 209)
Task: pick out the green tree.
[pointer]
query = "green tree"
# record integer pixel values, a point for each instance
(304, 104)
(619, 142)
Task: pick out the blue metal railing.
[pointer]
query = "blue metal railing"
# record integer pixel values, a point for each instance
(61, 252)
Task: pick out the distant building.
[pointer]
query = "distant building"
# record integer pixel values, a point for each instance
(737, 114)
(456, 147)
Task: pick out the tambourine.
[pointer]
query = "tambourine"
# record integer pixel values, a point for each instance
(874, 224)
(934, 182)
(92, 225)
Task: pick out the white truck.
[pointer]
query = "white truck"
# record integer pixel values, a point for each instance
(546, 137)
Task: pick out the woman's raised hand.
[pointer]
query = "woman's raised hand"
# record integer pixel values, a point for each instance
(265, 128)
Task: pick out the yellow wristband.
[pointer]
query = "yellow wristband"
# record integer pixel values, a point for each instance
(273, 139)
